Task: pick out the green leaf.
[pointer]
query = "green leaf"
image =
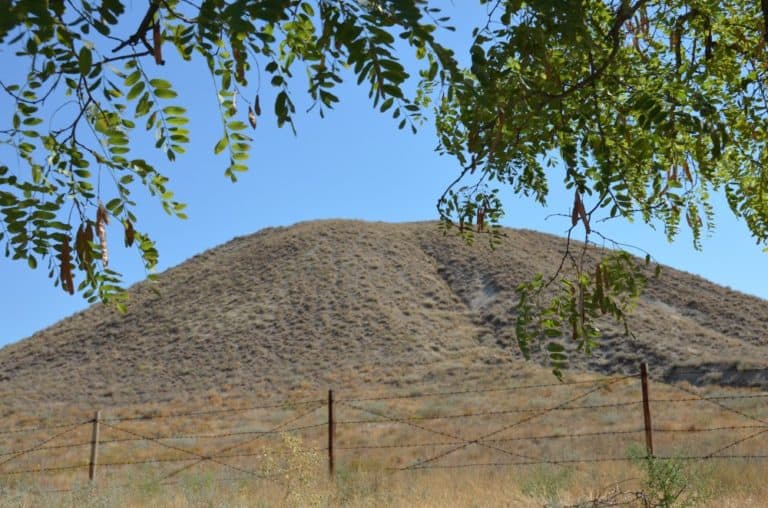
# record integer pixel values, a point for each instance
(160, 84)
(84, 60)
(164, 93)
(221, 145)
(133, 78)
(135, 91)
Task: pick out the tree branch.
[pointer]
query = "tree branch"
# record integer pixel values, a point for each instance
(624, 13)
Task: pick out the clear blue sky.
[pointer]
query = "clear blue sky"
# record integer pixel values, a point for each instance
(353, 164)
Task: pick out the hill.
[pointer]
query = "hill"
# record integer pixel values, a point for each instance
(347, 303)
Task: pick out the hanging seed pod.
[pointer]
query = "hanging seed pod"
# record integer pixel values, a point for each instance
(130, 234)
(65, 269)
(251, 117)
(480, 219)
(102, 219)
(157, 42)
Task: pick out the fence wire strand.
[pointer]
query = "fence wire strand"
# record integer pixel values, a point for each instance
(453, 442)
(244, 443)
(200, 457)
(285, 404)
(40, 445)
(513, 425)
(480, 390)
(716, 402)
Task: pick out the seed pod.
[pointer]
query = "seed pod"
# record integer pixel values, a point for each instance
(251, 117)
(65, 269)
(687, 171)
(157, 41)
(102, 219)
(583, 213)
(480, 219)
(575, 210)
(130, 234)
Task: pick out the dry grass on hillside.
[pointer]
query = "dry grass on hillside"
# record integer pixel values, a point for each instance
(372, 310)
(346, 303)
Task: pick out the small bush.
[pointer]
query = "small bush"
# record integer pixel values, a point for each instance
(668, 482)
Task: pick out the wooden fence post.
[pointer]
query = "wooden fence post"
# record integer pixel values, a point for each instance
(94, 447)
(646, 410)
(331, 428)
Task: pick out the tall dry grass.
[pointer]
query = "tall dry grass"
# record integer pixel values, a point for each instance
(418, 447)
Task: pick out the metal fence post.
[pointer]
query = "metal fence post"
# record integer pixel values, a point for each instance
(331, 429)
(94, 447)
(646, 410)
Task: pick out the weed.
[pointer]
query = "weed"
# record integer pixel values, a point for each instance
(668, 481)
(546, 482)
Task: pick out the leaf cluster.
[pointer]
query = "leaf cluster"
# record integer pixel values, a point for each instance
(73, 178)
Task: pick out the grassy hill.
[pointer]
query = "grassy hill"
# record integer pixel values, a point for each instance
(347, 303)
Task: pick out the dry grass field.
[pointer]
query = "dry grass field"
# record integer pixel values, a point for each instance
(414, 332)
(531, 442)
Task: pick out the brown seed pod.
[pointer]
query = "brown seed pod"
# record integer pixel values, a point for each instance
(65, 269)
(157, 41)
(83, 240)
(599, 292)
(687, 171)
(582, 213)
(480, 219)
(102, 219)
(130, 234)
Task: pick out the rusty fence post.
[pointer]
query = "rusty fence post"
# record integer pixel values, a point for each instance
(646, 410)
(94, 447)
(331, 429)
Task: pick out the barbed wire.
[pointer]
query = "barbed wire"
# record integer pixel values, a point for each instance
(737, 442)
(461, 441)
(216, 436)
(40, 444)
(544, 437)
(151, 460)
(716, 402)
(580, 461)
(492, 413)
(713, 397)
(37, 449)
(244, 443)
(511, 439)
(177, 448)
(710, 429)
(42, 469)
(285, 404)
(45, 427)
(513, 425)
(481, 390)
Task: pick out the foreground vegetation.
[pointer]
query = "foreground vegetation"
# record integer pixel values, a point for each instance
(579, 443)
(666, 483)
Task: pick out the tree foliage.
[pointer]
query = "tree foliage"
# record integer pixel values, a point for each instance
(644, 109)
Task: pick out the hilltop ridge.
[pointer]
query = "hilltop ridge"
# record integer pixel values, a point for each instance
(331, 302)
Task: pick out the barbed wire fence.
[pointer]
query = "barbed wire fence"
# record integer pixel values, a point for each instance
(565, 424)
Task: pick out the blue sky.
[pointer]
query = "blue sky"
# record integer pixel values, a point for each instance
(353, 164)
